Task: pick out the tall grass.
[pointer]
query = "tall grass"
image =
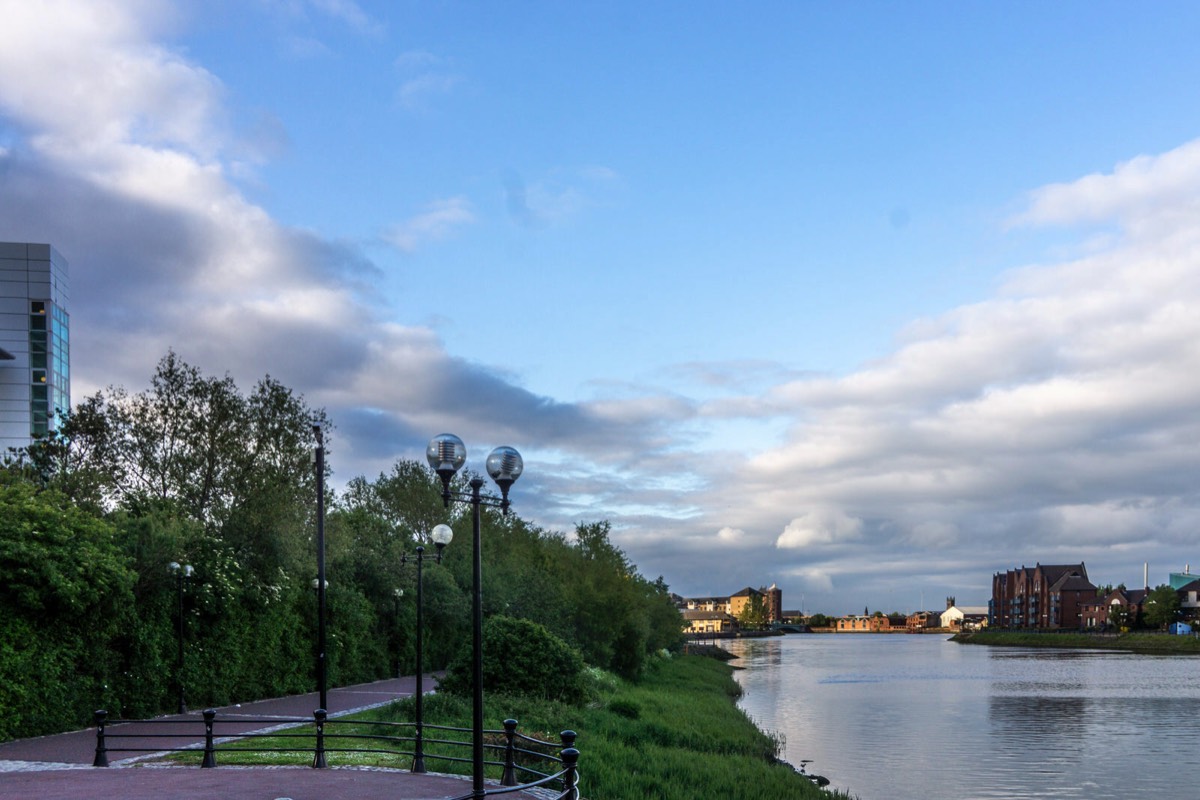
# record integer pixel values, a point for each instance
(676, 734)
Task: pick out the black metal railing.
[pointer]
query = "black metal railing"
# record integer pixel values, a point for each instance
(524, 761)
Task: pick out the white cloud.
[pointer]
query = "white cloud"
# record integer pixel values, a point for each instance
(441, 219)
(1056, 418)
(731, 535)
(1142, 190)
(820, 527)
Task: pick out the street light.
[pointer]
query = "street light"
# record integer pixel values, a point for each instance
(319, 465)
(446, 454)
(441, 536)
(398, 594)
(180, 573)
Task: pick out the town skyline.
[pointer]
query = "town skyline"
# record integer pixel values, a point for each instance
(869, 303)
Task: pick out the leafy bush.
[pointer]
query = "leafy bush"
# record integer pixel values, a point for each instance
(522, 658)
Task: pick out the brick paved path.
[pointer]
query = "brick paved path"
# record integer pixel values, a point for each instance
(59, 767)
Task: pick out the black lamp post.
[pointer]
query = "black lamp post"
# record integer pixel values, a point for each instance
(181, 573)
(399, 595)
(441, 536)
(319, 463)
(446, 453)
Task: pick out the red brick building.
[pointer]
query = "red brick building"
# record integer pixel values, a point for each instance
(1045, 596)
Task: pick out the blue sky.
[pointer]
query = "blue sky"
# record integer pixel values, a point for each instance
(865, 300)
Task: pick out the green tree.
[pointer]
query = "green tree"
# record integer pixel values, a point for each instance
(67, 593)
(754, 615)
(521, 657)
(1119, 616)
(1161, 607)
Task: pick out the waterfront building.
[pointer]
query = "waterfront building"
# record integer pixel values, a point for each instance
(735, 605)
(862, 623)
(701, 622)
(1121, 608)
(1046, 596)
(35, 375)
(962, 617)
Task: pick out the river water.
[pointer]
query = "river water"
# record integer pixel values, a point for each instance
(917, 717)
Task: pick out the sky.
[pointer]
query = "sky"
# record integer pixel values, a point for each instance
(866, 300)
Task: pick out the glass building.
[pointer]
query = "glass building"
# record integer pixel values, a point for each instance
(35, 363)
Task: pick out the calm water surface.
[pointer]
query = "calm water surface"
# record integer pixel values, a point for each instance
(900, 717)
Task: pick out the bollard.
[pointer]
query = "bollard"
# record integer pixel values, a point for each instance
(568, 738)
(319, 757)
(210, 753)
(570, 758)
(101, 750)
(510, 753)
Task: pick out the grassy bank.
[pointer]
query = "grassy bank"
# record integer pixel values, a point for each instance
(1142, 642)
(675, 735)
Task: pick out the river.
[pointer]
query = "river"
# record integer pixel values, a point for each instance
(918, 717)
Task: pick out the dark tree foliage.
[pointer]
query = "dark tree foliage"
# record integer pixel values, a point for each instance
(192, 470)
(1161, 607)
(521, 657)
(66, 590)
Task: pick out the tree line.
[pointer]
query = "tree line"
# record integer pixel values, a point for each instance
(194, 471)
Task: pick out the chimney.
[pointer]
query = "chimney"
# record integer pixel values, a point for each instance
(1146, 574)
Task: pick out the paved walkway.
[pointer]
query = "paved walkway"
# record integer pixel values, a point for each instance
(59, 767)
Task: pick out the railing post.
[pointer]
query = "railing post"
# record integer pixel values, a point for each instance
(210, 753)
(510, 753)
(319, 756)
(570, 758)
(101, 749)
(569, 776)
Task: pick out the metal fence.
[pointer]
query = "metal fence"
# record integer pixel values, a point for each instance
(525, 762)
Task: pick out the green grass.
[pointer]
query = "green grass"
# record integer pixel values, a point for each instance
(675, 735)
(1142, 642)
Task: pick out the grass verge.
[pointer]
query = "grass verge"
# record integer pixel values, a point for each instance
(1143, 642)
(675, 735)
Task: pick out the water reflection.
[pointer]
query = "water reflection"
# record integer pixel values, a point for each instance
(920, 718)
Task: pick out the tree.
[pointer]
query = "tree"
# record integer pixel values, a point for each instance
(1119, 616)
(1161, 607)
(521, 657)
(754, 615)
(66, 598)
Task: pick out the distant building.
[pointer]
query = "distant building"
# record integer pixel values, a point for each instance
(733, 606)
(1180, 579)
(861, 623)
(962, 617)
(1122, 607)
(739, 601)
(774, 600)
(35, 373)
(1046, 596)
(699, 622)
(920, 620)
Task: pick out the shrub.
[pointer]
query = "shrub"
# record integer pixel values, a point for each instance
(523, 658)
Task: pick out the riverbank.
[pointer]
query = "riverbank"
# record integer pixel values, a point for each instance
(677, 734)
(1138, 642)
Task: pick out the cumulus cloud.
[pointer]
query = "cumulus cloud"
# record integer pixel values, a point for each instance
(1055, 419)
(820, 527)
(731, 535)
(122, 160)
